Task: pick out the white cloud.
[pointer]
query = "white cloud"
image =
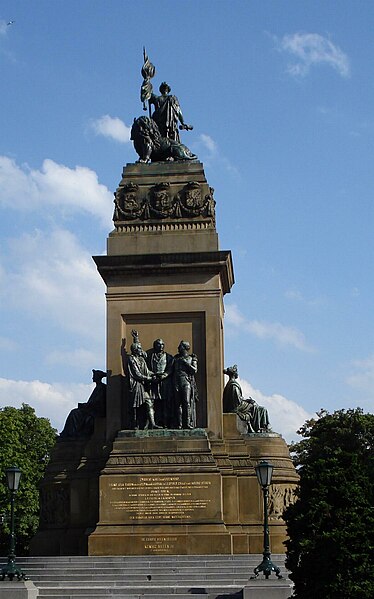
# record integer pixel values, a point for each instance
(285, 415)
(209, 143)
(312, 49)
(284, 335)
(53, 401)
(363, 376)
(295, 295)
(206, 142)
(54, 187)
(76, 358)
(111, 127)
(54, 277)
(3, 27)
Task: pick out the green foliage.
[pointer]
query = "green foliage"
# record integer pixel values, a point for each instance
(331, 525)
(25, 441)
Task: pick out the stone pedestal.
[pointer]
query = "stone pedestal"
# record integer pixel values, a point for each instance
(23, 589)
(161, 493)
(190, 492)
(268, 589)
(69, 495)
(173, 297)
(166, 278)
(187, 492)
(243, 500)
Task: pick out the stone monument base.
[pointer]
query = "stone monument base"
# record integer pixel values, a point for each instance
(160, 493)
(268, 589)
(23, 589)
(69, 495)
(161, 540)
(164, 492)
(183, 492)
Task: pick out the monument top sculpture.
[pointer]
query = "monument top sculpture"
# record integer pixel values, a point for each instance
(156, 137)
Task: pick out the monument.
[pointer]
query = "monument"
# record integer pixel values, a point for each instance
(165, 470)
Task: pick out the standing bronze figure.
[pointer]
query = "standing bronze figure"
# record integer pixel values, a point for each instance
(167, 113)
(139, 381)
(185, 368)
(161, 364)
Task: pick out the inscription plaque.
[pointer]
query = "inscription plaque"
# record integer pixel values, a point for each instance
(167, 499)
(159, 544)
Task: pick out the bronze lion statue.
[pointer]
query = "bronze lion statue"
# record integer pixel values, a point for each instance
(152, 147)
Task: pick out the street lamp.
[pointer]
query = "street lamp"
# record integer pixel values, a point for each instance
(13, 476)
(264, 472)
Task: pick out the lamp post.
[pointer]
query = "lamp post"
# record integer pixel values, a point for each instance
(264, 472)
(13, 476)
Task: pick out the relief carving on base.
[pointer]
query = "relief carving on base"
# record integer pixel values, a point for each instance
(162, 202)
(127, 203)
(280, 497)
(55, 506)
(160, 459)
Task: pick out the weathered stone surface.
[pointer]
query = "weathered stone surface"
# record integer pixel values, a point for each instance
(268, 589)
(18, 589)
(173, 296)
(159, 208)
(167, 500)
(164, 492)
(70, 495)
(154, 576)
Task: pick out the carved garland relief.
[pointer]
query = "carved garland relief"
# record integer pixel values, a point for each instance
(160, 203)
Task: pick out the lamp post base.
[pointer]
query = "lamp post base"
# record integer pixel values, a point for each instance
(266, 567)
(12, 571)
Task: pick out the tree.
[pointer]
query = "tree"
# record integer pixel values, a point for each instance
(25, 441)
(331, 524)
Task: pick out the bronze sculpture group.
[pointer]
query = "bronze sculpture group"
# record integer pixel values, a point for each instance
(161, 388)
(162, 393)
(156, 137)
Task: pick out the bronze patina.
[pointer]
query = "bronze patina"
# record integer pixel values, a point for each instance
(247, 409)
(156, 137)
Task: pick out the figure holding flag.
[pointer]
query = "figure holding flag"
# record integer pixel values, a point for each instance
(148, 71)
(167, 112)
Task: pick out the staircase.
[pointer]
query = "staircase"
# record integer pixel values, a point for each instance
(149, 577)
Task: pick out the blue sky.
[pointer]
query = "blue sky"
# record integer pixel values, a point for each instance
(281, 98)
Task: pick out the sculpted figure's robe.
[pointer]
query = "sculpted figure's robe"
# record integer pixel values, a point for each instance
(161, 364)
(80, 422)
(255, 416)
(232, 396)
(166, 114)
(185, 368)
(139, 380)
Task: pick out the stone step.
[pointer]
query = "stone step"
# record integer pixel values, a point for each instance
(183, 559)
(107, 595)
(141, 562)
(100, 581)
(136, 577)
(130, 591)
(138, 571)
(53, 571)
(137, 595)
